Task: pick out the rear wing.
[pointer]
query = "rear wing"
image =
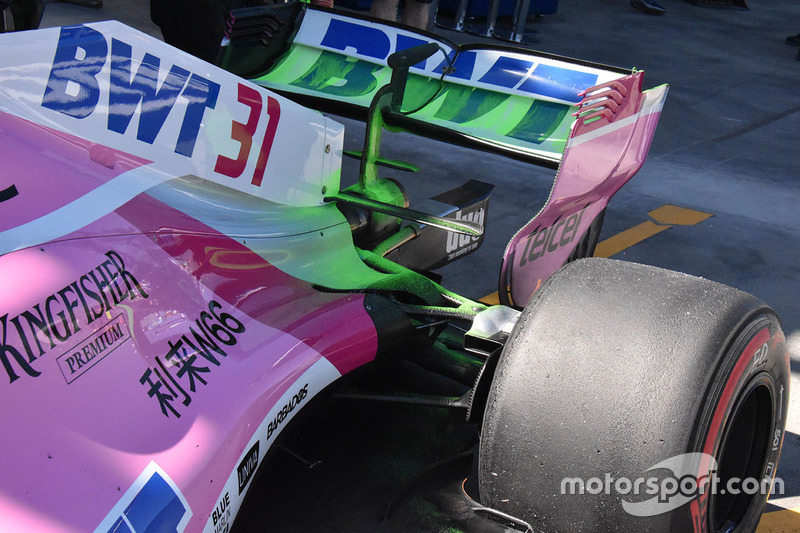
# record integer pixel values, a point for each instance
(502, 99)
(594, 123)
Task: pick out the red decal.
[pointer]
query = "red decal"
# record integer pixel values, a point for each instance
(243, 133)
(274, 114)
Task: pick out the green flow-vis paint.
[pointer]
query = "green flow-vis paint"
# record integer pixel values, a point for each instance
(510, 98)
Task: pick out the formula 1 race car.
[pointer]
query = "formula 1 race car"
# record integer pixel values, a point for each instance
(201, 323)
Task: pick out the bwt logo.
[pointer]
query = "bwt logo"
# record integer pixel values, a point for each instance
(74, 90)
(517, 72)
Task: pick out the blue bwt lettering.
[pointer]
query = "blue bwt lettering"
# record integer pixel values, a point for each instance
(507, 71)
(73, 88)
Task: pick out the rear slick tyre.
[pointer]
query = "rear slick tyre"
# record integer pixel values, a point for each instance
(618, 374)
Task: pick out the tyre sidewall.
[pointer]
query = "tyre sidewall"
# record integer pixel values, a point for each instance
(586, 387)
(756, 359)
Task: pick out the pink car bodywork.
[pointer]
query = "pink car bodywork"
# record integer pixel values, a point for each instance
(137, 340)
(162, 307)
(608, 145)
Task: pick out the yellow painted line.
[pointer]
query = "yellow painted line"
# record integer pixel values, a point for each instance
(626, 239)
(678, 216)
(491, 299)
(665, 217)
(786, 521)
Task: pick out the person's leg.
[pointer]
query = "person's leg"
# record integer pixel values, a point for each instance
(384, 9)
(416, 14)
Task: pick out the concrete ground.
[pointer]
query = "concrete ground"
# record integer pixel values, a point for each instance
(727, 145)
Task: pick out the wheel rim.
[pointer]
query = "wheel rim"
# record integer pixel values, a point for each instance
(743, 453)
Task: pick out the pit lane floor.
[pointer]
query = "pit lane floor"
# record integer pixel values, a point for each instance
(727, 145)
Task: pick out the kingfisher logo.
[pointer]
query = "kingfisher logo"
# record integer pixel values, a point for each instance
(153, 503)
(91, 351)
(61, 315)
